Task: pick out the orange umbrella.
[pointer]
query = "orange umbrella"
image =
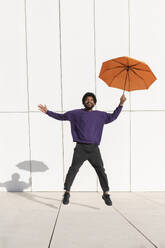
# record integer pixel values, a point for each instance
(127, 73)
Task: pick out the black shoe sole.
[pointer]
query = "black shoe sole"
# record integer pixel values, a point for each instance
(108, 204)
(65, 202)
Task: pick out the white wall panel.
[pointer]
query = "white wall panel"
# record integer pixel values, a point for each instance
(46, 148)
(13, 86)
(147, 44)
(111, 42)
(147, 139)
(59, 74)
(115, 150)
(14, 147)
(43, 53)
(77, 51)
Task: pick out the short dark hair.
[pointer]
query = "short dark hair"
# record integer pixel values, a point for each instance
(89, 94)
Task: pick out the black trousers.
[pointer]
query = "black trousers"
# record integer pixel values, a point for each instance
(90, 152)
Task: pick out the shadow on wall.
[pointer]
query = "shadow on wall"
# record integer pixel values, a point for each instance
(15, 184)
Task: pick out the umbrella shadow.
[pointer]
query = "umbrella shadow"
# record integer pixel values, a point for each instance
(33, 166)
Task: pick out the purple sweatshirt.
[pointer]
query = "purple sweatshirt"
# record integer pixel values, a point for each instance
(86, 126)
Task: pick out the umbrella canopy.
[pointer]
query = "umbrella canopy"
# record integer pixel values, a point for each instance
(36, 166)
(127, 73)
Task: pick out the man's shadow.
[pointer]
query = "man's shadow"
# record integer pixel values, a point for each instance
(14, 185)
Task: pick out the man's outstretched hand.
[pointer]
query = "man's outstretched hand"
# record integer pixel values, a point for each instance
(42, 108)
(122, 99)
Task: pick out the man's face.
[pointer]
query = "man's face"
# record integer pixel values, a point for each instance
(89, 103)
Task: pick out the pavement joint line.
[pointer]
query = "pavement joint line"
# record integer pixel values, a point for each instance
(146, 198)
(137, 229)
(50, 241)
(27, 81)
(61, 85)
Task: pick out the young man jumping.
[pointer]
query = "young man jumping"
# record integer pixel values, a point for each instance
(86, 128)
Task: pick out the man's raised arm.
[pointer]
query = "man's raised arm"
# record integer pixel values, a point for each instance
(62, 117)
(111, 117)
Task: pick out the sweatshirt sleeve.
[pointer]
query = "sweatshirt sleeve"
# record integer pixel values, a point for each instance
(111, 117)
(62, 117)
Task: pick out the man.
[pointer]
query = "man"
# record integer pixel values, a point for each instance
(86, 128)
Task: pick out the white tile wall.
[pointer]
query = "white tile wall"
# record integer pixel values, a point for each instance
(147, 145)
(43, 44)
(13, 85)
(147, 44)
(67, 41)
(115, 150)
(77, 48)
(46, 149)
(111, 42)
(14, 147)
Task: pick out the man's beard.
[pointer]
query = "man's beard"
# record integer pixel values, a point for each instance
(87, 107)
